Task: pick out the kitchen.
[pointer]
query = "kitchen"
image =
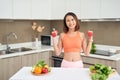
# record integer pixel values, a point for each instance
(17, 16)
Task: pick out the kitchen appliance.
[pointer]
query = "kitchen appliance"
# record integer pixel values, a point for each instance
(105, 53)
(57, 60)
(47, 40)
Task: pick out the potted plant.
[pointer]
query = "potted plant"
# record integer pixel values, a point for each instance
(93, 48)
(37, 30)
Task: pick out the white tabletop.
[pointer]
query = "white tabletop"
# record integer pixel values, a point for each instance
(57, 74)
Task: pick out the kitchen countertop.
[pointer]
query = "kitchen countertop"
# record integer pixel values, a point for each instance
(58, 74)
(50, 48)
(35, 50)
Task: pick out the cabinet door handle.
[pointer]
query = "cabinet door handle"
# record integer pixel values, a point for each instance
(87, 63)
(57, 59)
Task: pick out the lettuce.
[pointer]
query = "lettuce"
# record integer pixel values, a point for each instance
(101, 71)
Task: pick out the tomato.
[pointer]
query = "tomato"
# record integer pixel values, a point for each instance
(90, 33)
(44, 70)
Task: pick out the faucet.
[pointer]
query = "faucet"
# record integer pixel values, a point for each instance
(7, 44)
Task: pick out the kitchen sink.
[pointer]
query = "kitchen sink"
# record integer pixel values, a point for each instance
(21, 49)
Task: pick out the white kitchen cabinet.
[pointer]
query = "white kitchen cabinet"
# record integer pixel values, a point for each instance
(90, 9)
(100, 9)
(58, 9)
(74, 6)
(22, 9)
(29, 59)
(32, 9)
(9, 66)
(6, 9)
(110, 8)
(41, 9)
(61, 7)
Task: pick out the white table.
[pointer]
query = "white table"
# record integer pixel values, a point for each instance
(57, 74)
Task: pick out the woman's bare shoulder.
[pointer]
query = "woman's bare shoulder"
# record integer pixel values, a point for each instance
(82, 34)
(62, 34)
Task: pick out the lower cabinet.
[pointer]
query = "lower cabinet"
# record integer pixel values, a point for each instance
(34, 58)
(29, 59)
(1, 72)
(46, 56)
(88, 61)
(9, 66)
(118, 66)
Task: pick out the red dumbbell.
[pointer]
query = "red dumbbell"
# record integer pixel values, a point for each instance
(54, 32)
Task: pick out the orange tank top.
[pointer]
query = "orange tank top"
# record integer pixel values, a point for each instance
(72, 44)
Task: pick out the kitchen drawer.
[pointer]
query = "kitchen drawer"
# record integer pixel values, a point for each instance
(91, 60)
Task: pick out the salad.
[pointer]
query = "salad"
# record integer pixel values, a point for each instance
(100, 71)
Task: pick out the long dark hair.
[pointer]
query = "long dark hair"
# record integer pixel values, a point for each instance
(65, 28)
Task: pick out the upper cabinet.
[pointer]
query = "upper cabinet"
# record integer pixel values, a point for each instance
(31, 9)
(61, 7)
(58, 9)
(74, 6)
(22, 9)
(90, 9)
(110, 8)
(6, 10)
(100, 9)
(41, 9)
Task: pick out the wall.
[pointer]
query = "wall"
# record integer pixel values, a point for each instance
(22, 28)
(107, 33)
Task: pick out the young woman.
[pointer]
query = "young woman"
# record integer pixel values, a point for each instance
(72, 41)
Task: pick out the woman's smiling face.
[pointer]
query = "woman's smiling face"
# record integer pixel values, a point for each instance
(70, 22)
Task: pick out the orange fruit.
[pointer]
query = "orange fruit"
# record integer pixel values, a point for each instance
(37, 70)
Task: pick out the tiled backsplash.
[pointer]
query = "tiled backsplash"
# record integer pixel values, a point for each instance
(106, 33)
(23, 30)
